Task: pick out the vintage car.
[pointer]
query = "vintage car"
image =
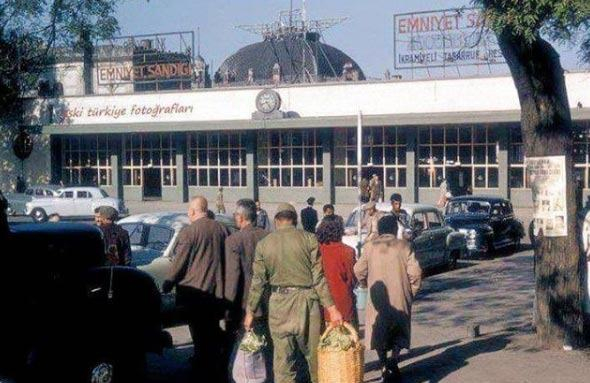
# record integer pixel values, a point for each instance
(488, 223)
(17, 201)
(153, 237)
(73, 202)
(65, 316)
(435, 243)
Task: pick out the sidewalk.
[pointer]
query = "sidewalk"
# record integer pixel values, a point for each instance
(497, 295)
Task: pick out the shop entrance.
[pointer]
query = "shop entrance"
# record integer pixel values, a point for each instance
(152, 184)
(459, 181)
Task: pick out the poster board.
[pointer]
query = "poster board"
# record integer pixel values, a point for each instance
(546, 178)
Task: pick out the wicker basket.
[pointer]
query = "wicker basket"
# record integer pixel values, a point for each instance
(342, 366)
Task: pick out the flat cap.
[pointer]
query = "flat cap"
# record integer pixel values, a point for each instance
(369, 205)
(108, 212)
(286, 207)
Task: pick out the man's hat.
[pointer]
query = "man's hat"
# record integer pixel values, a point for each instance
(310, 200)
(369, 206)
(285, 207)
(108, 212)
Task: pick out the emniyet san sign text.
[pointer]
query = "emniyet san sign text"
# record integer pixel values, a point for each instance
(443, 38)
(117, 73)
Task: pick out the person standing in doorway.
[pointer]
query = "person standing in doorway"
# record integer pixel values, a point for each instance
(197, 272)
(389, 269)
(262, 220)
(219, 202)
(365, 194)
(375, 189)
(287, 263)
(309, 216)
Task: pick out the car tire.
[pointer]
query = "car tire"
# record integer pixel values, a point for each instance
(39, 215)
(516, 245)
(453, 258)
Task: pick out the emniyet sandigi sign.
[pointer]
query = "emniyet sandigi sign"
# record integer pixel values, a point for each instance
(446, 38)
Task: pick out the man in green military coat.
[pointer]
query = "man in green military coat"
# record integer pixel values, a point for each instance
(287, 263)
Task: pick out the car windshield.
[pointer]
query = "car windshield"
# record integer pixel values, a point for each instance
(135, 231)
(468, 207)
(158, 237)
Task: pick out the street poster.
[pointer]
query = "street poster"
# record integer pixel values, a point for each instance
(546, 178)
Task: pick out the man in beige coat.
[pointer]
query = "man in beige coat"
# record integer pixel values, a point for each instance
(389, 269)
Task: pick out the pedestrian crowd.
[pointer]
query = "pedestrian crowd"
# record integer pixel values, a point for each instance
(290, 284)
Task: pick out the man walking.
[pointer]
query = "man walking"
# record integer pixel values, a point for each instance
(262, 220)
(239, 257)
(389, 269)
(117, 243)
(197, 271)
(309, 216)
(287, 262)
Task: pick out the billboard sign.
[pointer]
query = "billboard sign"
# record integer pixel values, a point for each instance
(452, 37)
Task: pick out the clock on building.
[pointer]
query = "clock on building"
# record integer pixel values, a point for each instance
(268, 101)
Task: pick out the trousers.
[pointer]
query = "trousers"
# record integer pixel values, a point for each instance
(294, 321)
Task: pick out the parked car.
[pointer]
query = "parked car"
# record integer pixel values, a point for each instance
(153, 238)
(73, 202)
(17, 201)
(435, 243)
(488, 223)
(66, 317)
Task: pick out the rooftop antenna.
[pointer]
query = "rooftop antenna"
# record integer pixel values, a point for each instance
(298, 23)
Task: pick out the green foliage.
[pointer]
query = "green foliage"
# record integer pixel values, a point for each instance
(339, 339)
(566, 21)
(31, 31)
(251, 342)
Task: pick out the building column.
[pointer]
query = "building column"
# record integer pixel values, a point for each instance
(117, 167)
(503, 161)
(180, 143)
(412, 164)
(251, 164)
(55, 159)
(326, 138)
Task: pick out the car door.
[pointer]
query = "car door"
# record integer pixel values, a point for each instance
(500, 224)
(421, 241)
(64, 205)
(437, 234)
(83, 204)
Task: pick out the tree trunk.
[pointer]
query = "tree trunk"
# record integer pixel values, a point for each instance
(547, 131)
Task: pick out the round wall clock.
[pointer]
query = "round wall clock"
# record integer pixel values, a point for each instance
(268, 101)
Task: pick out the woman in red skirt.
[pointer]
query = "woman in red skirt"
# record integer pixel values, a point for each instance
(338, 262)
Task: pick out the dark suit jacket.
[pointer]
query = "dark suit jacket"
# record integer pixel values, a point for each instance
(309, 219)
(239, 256)
(198, 257)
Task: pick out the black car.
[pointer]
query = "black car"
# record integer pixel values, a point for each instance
(66, 317)
(488, 223)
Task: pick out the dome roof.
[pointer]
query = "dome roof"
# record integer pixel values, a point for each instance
(296, 55)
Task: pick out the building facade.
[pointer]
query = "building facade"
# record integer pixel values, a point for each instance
(291, 141)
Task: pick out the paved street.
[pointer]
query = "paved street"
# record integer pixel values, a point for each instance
(495, 294)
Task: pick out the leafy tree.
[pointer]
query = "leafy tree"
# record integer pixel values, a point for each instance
(30, 33)
(524, 29)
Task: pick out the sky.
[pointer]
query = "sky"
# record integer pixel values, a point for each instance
(367, 36)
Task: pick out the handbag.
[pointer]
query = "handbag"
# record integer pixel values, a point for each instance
(248, 364)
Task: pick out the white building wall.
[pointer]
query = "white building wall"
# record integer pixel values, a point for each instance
(325, 100)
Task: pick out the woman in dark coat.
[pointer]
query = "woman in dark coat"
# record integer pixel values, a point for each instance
(338, 263)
